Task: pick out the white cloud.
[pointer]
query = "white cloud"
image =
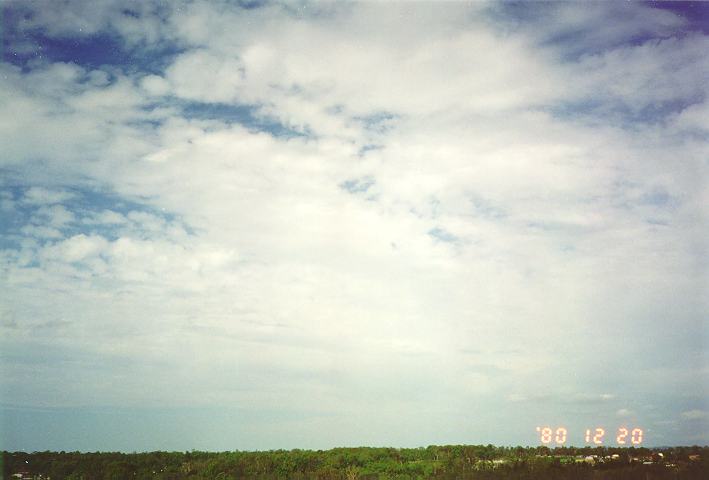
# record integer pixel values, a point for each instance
(695, 414)
(647, 75)
(39, 231)
(81, 123)
(55, 215)
(299, 71)
(599, 27)
(137, 23)
(155, 85)
(107, 217)
(45, 196)
(190, 71)
(75, 248)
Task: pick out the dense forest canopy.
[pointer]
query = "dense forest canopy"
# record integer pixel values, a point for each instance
(436, 462)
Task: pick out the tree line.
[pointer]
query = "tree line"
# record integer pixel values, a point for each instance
(448, 462)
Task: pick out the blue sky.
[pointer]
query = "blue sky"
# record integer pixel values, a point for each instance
(233, 225)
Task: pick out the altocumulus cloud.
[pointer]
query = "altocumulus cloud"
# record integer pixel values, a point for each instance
(308, 225)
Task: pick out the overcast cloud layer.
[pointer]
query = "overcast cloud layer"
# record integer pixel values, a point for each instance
(308, 225)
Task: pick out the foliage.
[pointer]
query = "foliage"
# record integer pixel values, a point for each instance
(447, 462)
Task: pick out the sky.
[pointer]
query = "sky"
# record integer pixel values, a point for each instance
(256, 225)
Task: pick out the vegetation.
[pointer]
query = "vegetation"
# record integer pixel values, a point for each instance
(459, 462)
